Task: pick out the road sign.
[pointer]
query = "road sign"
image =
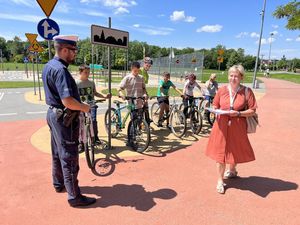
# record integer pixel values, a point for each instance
(31, 37)
(26, 60)
(47, 6)
(220, 59)
(108, 36)
(220, 52)
(35, 47)
(48, 28)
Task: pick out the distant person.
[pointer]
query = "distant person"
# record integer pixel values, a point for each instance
(228, 142)
(211, 87)
(188, 92)
(62, 117)
(148, 62)
(134, 86)
(87, 91)
(163, 97)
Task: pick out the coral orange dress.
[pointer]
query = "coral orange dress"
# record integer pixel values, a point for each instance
(228, 142)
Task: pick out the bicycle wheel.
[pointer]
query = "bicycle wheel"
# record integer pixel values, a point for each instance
(211, 117)
(89, 148)
(181, 107)
(155, 110)
(178, 123)
(138, 130)
(114, 118)
(196, 121)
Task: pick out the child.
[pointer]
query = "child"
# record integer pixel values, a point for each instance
(188, 92)
(211, 87)
(87, 92)
(163, 97)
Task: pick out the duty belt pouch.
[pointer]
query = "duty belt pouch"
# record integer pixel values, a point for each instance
(59, 113)
(69, 117)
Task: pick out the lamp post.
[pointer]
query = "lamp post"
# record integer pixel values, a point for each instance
(259, 43)
(271, 35)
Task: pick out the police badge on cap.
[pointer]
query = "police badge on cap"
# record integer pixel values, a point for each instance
(66, 39)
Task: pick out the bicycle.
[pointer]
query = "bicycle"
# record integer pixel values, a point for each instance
(86, 134)
(196, 119)
(177, 118)
(138, 128)
(210, 117)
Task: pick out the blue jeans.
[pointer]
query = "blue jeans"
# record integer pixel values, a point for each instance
(94, 119)
(64, 147)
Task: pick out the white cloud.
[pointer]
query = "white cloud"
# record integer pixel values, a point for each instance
(180, 16)
(265, 41)
(153, 31)
(242, 34)
(121, 10)
(210, 28)
(63, 7)
(289, 39)
(161, 15)
(94, 13)
(297, 39)
(24, 2)
(254, 35)
(275, 26)
(36, 19)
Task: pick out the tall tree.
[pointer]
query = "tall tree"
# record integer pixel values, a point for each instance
(290, 11)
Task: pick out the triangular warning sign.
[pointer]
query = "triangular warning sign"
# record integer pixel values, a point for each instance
(35, 47)
(31, 37)
(47, 6)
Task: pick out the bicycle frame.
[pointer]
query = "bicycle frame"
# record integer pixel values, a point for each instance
(125, 118)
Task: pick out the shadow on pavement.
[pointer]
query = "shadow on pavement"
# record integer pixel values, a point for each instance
(261, 186)
(134, 196)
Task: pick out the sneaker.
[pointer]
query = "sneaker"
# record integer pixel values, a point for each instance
(230, 174)
(81, 200)
(80, 148)
(97, 141)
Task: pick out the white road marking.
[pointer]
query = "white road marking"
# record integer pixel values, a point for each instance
(1, 95)
(8, 114)
(40, 112)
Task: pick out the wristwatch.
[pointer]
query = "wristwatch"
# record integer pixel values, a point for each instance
(239, 114)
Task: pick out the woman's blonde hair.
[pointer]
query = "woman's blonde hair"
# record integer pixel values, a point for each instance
(213, 76)
(238, 68)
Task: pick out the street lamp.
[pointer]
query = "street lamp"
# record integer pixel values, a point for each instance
(259, 43)
(271, 35)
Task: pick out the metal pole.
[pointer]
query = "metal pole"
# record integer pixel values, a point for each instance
(33, 74)
(170, 60)
(259, 44)
(271, 34)
(109, 90)
(93, 67)
(49, 49)
(26, 69)
(38, 76)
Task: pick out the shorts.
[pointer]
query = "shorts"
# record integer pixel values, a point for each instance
(162, 100)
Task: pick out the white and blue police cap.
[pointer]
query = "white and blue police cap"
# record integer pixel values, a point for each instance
(66, 39)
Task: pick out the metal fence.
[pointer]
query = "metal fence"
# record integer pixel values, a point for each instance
(179, 66)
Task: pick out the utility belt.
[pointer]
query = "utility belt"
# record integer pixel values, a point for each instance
(68, 116)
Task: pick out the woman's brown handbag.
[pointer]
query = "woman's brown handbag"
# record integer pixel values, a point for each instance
(252, 121)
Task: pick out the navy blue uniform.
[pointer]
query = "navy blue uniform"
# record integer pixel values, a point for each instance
(59, 84)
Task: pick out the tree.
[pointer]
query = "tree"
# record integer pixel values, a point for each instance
(234, 59)
(249, 62)
(290, 11)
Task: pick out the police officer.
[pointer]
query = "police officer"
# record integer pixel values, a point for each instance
(64, 102)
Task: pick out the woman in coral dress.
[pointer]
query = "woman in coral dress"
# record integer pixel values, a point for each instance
(228, 142)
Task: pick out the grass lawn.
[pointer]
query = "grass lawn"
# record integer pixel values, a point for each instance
(152, 91)
(17, 84)
(284, 76)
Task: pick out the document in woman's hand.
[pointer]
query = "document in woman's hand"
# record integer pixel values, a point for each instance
(218, 111)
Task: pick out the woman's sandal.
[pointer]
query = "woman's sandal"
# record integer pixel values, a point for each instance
(230, 174)
(221, 188)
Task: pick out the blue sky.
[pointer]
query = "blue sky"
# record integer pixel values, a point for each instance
(177, 23)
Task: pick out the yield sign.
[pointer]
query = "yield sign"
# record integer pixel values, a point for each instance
(47, 6)
(31, 37)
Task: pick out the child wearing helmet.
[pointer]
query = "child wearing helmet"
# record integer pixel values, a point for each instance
(188, 91)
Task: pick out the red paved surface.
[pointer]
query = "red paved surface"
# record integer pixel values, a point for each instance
(267, 193)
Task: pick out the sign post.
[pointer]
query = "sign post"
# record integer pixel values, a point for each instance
(38, 76)
(47, 6)
(111, 38)
(1, 55)
(220, 58)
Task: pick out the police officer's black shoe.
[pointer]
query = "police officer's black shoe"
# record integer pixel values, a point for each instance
(59, 189)
(81, 200)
